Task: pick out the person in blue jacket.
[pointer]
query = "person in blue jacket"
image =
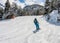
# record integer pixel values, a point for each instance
(37, 25)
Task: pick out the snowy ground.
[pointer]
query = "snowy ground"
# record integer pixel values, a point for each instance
(20, 30)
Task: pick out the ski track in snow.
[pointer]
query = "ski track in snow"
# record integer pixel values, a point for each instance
(20, 30)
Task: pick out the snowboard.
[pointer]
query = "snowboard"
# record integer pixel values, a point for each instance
(36, 31)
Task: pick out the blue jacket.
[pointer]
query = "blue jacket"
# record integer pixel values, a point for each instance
(36, 23)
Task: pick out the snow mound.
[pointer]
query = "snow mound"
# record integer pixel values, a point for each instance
(53, 16)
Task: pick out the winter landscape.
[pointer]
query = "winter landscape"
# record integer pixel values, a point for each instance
(17, 21)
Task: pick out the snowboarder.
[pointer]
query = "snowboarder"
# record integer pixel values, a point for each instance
(37, 25)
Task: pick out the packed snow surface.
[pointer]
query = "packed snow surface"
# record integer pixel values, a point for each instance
(20, 30)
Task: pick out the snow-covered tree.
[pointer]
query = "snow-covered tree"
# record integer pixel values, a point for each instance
(19, 11)
(14, 7)
(59, 7)
(58, 18)
(1, 12)
(7, 6)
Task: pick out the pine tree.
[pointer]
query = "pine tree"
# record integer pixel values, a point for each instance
(59, 7)
(7, 6)
(1, 13)
(19, 11)
(46, 6)
(15, 7)
(58, 18)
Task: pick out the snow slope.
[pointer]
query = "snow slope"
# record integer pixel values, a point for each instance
(48, 34)
(20, 30)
